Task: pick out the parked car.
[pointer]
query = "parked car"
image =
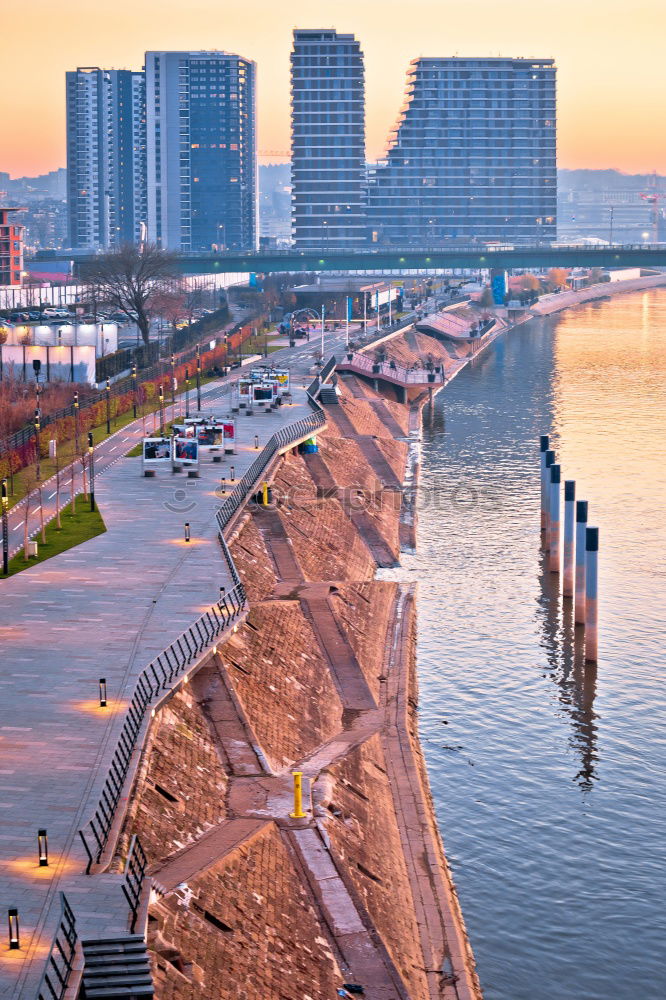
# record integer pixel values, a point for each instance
(300, 334)
(54, 313)
(19, 317)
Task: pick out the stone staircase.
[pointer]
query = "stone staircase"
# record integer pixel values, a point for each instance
(116, 969)
(327, 394)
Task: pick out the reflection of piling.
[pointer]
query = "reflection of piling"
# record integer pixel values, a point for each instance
(543, 448)
(569, 516)
(549, 460)
(554, 519)
(581, 526)
(591, 587)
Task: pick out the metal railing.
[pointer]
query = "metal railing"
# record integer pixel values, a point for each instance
(155, 679)
(135, 870)
(53, 984)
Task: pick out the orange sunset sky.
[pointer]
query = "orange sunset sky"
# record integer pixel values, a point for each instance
(610, 56)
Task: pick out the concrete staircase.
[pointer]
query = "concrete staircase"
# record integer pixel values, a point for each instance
(116, 969)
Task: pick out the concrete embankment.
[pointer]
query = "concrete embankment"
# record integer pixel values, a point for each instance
(321, 678)
(549, 304)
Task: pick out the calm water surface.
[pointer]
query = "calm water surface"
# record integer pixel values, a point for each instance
(548, 775)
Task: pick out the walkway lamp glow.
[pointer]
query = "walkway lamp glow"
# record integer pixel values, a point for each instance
(102, 692)
(187, 531)
(43, 849)
(91, 468)
(14, 930)
(108, 406)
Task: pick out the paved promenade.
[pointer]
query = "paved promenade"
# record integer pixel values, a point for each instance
(102, 609)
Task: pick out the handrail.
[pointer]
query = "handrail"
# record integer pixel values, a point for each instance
(135, 870)
(393, 371)
(157, 677)
(61, 956)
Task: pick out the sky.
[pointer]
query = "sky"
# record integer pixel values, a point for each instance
(610, 56)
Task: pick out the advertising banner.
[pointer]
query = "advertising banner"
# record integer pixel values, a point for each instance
(156, 451)
(186, 451)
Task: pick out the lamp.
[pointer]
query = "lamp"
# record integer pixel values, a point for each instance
(14, 940)
(187, 531)
(256, 441)
(223, 591)
(233, 475)
(43, 848)
(102, 692)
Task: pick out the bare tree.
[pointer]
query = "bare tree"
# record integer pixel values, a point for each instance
(130, 279)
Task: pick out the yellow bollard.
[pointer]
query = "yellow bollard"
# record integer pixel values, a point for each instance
(298, 796)
(264, 494)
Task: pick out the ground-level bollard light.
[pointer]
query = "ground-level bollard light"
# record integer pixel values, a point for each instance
(233, 474)
(14, 932)
(102, 692)
(43, 848)
(298, 796)
(223, 591)
(256, 441)
(187, 531)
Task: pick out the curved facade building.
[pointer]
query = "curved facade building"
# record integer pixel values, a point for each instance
(472, 156)
(328, 141)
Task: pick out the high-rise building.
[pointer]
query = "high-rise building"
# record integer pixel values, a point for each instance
(11, 248)
(472, 155)
(202, 151)
(106, 157)
(328, 141)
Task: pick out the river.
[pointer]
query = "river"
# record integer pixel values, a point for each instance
(547, 774)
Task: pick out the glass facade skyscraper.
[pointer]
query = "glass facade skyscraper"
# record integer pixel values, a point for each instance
(106, 157)
(472, 155)
(328, 141)
(202, 153)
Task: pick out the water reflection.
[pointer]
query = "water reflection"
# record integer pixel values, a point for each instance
(564, 644)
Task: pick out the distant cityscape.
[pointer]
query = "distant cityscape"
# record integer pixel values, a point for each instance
(169, 154)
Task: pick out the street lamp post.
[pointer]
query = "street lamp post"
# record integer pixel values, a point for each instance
(91, 469)
(198, 378)
(5, 529)
(108, 406)
(187, 392)
(173, 382)
(323, 312)
(134, 391)
(161, 409)
(76, 423)
(38, 428)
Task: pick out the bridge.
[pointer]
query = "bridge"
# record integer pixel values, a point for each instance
(411, 259)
